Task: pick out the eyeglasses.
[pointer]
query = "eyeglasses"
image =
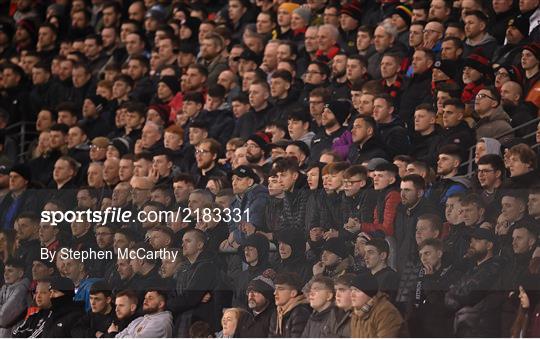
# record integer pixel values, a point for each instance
(252, 146)
(482, 96)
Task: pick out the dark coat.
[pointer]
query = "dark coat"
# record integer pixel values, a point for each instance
(221, 124)
(476, 304)
(90, 323)
(388, 280)
(293, 322)
(318, 324)
(192, 283)
(261, 323)
(339, 324)
(395, 137)
(417, 90)
(64, 313)
(253, 121)
(424, 147)
(322, 141)
(461, 135)
(372, 148)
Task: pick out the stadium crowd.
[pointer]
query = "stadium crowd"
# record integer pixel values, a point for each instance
(351, 168)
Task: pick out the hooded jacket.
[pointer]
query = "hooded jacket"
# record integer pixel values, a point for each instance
(488, 45)
(260, 242)
(156, 325)
(496, 125)
(14, 299)
(64, 313)
(297, 261)
(395, 137)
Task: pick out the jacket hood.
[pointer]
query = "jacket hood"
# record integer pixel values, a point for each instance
(493, 146)
(294, 238)
(261, 243)
(487, 39)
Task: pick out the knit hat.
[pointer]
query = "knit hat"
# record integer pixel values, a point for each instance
(171, 82)
(480, 63)
(515, 72)
(521, 23)
(289, 6)
(534, 48)
(404, 12)
(353, 9)
(366, 283)
(341, 109)
(162, 110)
(262, 140)
(98, 101)
(336, 246)
(264, 285)
(193, 24)
(493, 146)
(303, 12)
(62, 284)
(29, 26)
(448, 67)
(121, 144)
(23, 170)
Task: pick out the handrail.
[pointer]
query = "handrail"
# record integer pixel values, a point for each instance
(20, 130)
(469, 163)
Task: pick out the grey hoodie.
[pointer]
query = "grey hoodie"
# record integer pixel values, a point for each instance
(493, 146)
(157, 325)
(14, 300)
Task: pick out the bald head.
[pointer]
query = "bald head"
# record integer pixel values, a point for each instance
(511, 93)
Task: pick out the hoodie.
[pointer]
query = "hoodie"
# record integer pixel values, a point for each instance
(496, 125)
(493, 146)
(488, 44)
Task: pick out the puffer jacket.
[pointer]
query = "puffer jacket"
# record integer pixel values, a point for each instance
(318, 324)
(293, 321)
(475, 302)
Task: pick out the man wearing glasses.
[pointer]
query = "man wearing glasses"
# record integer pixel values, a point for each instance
(494, 122)
(206, 154)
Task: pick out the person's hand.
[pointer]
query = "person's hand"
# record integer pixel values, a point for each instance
(428, 269)
(332, 233)
(353, 225)
(112, 328)
(318, 268)
(153, 175)
(248, 228)
(99, 334)
(524, 298)
(502, 228)
(429, 43)
(222, 161)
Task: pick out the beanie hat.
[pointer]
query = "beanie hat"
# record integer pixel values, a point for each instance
(289, 6)
(162, 110)
(366, 283)
(193, 24)
(64, 285)
(98, 101)
(264, 285)
(171, 82)
(515, 72)
(448, 67)
(341, 109)
(23, 170)
(29, 26)
(534, 48)
(480, 63)
(521, 23)
(353, 9)
(404, 12)
(262, 140)
(304, 12)
(336, 246)
(121, 144)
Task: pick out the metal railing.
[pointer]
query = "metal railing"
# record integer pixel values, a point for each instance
(22, 132)
(470, 161)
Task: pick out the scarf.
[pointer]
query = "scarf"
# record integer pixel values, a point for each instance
(281, 311)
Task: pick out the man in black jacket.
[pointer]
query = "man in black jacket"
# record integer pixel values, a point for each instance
(27, 234)
(125, 310)
(472, 298)
(292, 311)
(334, 115)
(64, 311)
(33, 325)
(366, 144)
(260, 300)
(393, 132)
(321, 299)
(456, 130)
(96, 322)
(197, 278)
(427, 134)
